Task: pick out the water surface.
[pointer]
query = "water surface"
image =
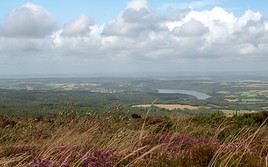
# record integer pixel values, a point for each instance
(198, 95)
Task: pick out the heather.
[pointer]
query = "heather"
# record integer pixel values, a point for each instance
(121, 139)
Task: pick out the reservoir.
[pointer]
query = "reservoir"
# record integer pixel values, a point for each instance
(198, 95)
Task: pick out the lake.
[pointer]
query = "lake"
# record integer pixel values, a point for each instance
(198, 95)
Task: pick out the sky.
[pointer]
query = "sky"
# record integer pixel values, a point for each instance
(44, 37)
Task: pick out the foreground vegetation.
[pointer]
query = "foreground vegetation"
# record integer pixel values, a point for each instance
(94, 123)
(121, 139)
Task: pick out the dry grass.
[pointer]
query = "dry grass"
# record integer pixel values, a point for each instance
(111, 141)
(167, 106)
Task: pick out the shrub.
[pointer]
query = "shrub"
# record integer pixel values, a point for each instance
(7, 122)
(202, 154)
(11, 151)
(258, 117)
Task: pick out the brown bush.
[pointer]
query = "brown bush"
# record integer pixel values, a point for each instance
(7, 123)
(201, 155)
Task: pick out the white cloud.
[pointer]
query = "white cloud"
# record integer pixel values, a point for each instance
(137, 34)
(266, 26)
(191, 28)
(246, 49)
(28, 21)
(81, 26)
(137, 4)
(134, 22)
(249, 16)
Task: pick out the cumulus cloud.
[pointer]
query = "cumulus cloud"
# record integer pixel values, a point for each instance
(134, 22)
(28, 21)
(192, 28)
(81, 26)
(138, 34)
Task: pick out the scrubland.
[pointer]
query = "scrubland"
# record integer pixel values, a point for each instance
(121, 139)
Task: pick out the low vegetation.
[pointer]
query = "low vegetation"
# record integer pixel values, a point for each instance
(96, 125)
(121, 139)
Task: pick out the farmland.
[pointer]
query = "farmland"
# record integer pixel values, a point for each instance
(96, 94)
(128, 122)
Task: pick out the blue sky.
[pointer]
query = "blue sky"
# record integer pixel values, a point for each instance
(104, 10)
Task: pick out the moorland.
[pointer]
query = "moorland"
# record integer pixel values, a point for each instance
(133, 122)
